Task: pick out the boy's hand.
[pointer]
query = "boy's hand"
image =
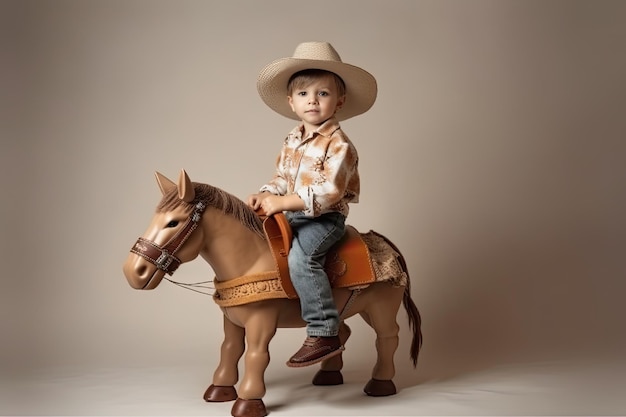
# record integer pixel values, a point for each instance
(255, 200)
(272, 204)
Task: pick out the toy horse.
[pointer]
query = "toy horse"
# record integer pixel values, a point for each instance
(197, 219)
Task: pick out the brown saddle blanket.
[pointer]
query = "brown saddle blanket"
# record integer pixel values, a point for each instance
(348, 263)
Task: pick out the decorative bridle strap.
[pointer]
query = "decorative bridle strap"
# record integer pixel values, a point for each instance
(164, 257)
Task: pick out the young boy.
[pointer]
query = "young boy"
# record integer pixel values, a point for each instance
(316, 176)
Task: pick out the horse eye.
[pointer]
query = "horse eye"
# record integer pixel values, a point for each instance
(172, 223)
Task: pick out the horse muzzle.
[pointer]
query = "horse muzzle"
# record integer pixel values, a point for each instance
(142, 273)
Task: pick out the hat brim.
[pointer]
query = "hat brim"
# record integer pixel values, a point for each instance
(361, 87)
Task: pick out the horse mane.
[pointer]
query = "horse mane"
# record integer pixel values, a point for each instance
(218, 199)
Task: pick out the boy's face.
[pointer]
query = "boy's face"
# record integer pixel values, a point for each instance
(317, 102)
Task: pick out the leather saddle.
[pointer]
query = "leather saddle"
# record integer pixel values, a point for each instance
(348, 263)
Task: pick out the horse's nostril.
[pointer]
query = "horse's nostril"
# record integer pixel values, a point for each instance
(141, 270)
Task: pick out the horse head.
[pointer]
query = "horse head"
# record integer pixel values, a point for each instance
(172, 238)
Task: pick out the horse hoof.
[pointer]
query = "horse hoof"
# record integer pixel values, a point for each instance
(220, 394)
(380, 388)
(248, 408)
(328, 378)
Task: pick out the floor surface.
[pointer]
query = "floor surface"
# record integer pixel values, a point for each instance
(548, 388)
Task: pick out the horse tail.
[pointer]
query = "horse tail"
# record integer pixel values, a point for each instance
(415, 319)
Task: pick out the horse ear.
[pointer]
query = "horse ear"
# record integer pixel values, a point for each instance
(164, 183)
(186, 191)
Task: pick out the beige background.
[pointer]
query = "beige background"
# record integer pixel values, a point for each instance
(494, 158)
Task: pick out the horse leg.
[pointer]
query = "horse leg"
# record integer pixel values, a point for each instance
(226, 374)
(260, 329)
(381, 316)
(330, 370)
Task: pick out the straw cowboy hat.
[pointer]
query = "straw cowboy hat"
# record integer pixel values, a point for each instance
(360, 85)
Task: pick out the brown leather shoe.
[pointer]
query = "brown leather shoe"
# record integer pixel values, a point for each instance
(315, 349)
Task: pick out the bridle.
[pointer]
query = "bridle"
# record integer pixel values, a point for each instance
(163, 257)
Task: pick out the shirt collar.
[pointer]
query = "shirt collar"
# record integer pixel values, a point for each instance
(326, 129)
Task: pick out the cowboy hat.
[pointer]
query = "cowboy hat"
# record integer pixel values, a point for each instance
(360, 85)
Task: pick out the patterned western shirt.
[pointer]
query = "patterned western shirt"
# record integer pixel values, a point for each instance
(322, 169)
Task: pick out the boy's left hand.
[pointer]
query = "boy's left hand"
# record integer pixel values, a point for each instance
(273, 204)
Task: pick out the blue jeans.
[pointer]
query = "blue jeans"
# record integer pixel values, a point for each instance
(312, 238)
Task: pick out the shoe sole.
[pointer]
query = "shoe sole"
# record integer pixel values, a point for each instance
(318, 360)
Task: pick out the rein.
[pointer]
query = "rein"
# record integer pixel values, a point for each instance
(204, 285)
